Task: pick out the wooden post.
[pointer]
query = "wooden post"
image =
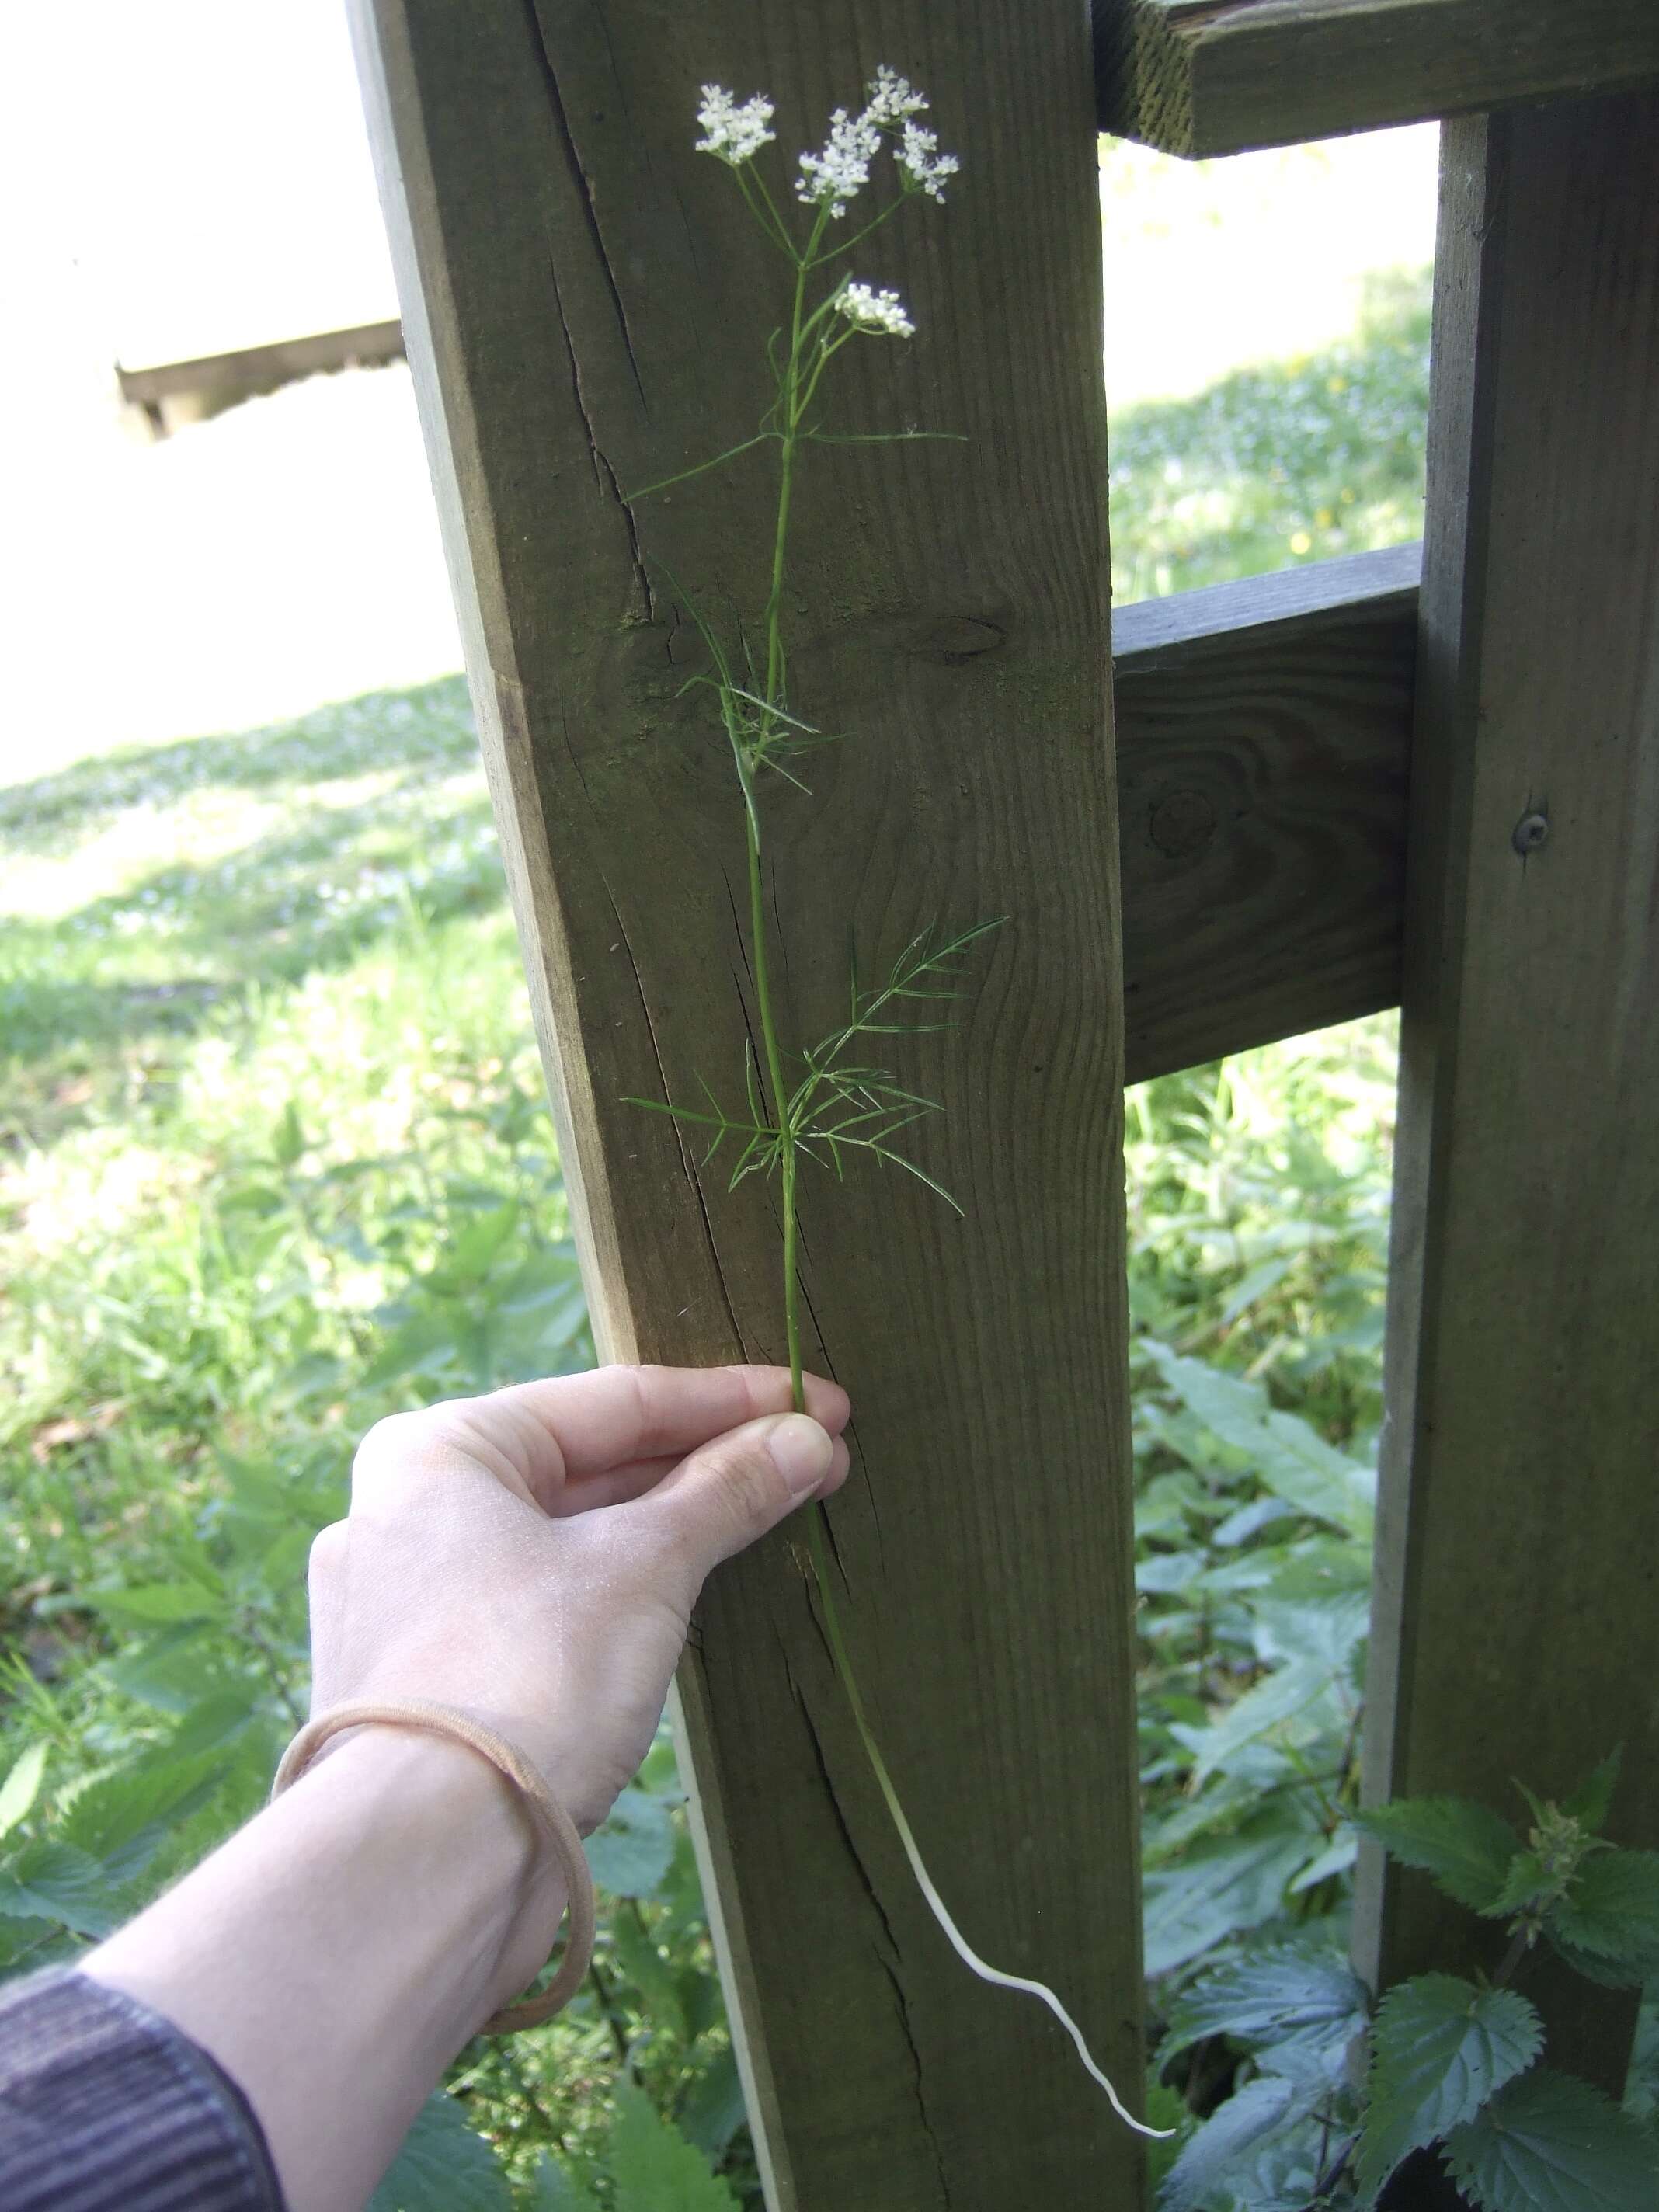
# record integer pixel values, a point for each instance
(586, 307)
(1517, 1596)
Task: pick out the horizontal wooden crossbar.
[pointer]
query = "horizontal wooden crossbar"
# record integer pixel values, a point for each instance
(256, 369)
(1219, 76)
(1263, 735)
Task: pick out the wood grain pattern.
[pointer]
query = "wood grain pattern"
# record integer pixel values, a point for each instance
(1263, 733)
(584, 308)
(1517, 1624)
(1219, 76)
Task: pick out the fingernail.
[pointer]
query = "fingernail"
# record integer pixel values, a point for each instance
(800, 1451)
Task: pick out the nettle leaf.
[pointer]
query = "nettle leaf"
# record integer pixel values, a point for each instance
(121, 1818)
(1467, 1847)
(1592, 1801)
(55, 1881)
(1269, 1706)
(443, 2166)
(1552, 2143)
(1289, 1457)
(1268, 2102)
(555, 2188)
(1606, 1973)
(22, 1787)
(633, 1851)
(1440, 2048)
(1612, 1908)
(1283, 1996)
(653, 2168)
(1220, 1888)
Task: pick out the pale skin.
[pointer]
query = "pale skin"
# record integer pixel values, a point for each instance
(532, 1558)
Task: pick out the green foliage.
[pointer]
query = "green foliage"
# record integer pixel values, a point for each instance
(1549, 2143)
(443, 2166)
(273, 1160)
(1467, 1848)
(1453, 2062)
(1441, 2048)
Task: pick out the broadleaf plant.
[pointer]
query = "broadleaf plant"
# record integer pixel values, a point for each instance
(836, 1100)
(1452, 2063)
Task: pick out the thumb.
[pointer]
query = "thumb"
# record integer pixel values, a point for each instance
(735, 1487)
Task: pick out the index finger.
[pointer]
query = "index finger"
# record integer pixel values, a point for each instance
(611, 1415)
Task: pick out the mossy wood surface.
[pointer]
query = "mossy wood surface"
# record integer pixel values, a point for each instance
(1263, 732)
(1219, 76)
(586, 303)
(1517, 1598)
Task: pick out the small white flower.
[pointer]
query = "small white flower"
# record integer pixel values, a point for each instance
(917, 154)
(735, 132)
(892, 97)
(830, 179)
(870, 310)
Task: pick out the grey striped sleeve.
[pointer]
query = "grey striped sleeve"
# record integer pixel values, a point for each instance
(103, 2104)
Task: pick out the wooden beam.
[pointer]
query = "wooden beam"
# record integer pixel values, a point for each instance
(1263, 735)
(1516, 1627)
(1219, 76)
(262, 368)
(585, 309)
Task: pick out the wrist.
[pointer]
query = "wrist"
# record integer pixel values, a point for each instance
(461, 1833)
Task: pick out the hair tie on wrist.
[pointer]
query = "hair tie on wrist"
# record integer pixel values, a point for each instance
(550, 1819)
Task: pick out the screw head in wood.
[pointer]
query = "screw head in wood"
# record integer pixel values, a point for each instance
(1529, 833)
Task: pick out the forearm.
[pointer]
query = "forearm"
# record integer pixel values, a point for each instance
(337, 1953)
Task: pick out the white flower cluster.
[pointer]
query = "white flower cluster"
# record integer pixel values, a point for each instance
(830, 178)
(917, 154)
(735, 130)
(870, 310)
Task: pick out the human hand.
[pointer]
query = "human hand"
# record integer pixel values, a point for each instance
(532, 1556)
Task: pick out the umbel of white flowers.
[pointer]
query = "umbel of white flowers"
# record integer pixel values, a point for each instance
(735, 130)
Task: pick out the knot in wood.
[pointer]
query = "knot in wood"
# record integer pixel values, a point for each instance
(1182, 823)
(955, 637)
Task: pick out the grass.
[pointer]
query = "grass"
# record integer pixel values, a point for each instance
(274, 1158)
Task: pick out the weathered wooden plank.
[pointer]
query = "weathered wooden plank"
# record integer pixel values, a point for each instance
(1517, 1629)
(584, 309)
(1218, 76)
(259, 369)
(1263, 730)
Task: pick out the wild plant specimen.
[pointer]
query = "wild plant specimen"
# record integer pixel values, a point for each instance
(829, 1101)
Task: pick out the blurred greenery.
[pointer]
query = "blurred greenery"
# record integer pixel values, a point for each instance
(274, 1159)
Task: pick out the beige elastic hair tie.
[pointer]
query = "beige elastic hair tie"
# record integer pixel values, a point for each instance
(550, 1819)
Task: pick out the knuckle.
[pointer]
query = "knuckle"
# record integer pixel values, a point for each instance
(326, 1547)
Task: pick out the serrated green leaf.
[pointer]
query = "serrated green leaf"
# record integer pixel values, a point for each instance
(555, 2188)
(636, 1954)
(1219, 1888)
(50, 1881)
(653, 2168)
(22, 1787)
(1282, 1996)
(1552, 2143)
(714, 2111)
(633, 1851)
(1248, 2114)
(1266, 1709)
(1612, 1908)
(443, 2166)
(1592, 1801)
(1440, 2049)
(1606, 1973)
(1526, 1880)
(122, 1817)
(1467, 1847)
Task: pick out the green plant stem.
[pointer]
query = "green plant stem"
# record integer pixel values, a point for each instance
(785, 1120)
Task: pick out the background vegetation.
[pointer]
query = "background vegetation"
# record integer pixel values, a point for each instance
(274, 1158)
